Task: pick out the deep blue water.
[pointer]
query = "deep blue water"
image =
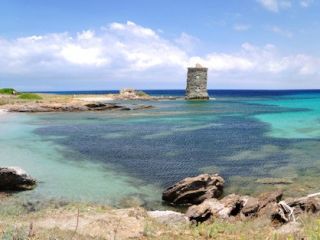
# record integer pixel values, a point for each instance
(244, 135)
(213, 93)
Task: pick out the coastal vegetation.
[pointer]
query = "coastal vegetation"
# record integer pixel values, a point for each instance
(9, 91)
(29, 96)
(61, 220)
(19, 95)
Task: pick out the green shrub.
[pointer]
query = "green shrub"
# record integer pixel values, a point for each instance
(29, 96)
(9, 91)
(142, 94)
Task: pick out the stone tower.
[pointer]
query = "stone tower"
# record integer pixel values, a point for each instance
(197, 83)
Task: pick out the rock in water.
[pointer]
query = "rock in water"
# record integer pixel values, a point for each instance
(15, 179)
(194, 190)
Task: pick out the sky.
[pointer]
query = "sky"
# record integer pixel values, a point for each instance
(57, 45)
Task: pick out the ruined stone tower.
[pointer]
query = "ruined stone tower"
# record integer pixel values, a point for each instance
(197, 83)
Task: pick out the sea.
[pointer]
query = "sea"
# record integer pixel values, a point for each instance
(256, 140)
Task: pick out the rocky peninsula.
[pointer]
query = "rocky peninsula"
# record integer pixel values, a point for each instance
(32, 103)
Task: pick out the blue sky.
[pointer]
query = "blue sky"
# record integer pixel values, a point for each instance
(96, 44)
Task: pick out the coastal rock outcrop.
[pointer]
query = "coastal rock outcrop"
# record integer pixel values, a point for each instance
(15, 179)
(72, 107)
(131, 94)
(268, 206)
(287, 210)
(194, 190)
(235, 206)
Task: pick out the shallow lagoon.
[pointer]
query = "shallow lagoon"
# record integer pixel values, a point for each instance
(109, 157)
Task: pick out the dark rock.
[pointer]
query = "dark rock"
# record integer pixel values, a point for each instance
(194, 190)
(95, 105)
(278, 214)
(15, 179)
(274, 181)
(142, 107)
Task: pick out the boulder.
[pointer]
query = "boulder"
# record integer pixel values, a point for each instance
(305, 204)
(194, 190)
(168, 217)
(269, 197)
(288, 210)
(228, 207)
(15, 179)
(250, 206)
(204, 211)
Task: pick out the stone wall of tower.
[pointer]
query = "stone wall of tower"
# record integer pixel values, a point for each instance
(197, 83)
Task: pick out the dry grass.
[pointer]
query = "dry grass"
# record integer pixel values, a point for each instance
(88, 221)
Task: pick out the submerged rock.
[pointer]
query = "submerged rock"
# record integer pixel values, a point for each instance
(274, 181)
(194, 190)
(15, 179)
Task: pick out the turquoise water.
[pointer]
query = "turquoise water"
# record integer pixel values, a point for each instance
(111, 157)
(300, 124)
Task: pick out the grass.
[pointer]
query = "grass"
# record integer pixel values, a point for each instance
(16, 220)
(29, 96)
(9, 91)
(142, 94)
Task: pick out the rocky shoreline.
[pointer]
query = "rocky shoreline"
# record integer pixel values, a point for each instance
(203, 195)
(72, 107)
(205, 202)
(79, 103)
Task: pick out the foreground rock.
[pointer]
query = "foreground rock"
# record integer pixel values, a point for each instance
(194, 190)
(267, 205)
(235, 206)
(288, 210)
(15, 179)
(224, 209)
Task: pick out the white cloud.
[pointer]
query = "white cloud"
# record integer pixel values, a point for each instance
(282, 32)
(275, 5)
(306, 3)
(123, 54)
(187, 42)
(241, 27)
